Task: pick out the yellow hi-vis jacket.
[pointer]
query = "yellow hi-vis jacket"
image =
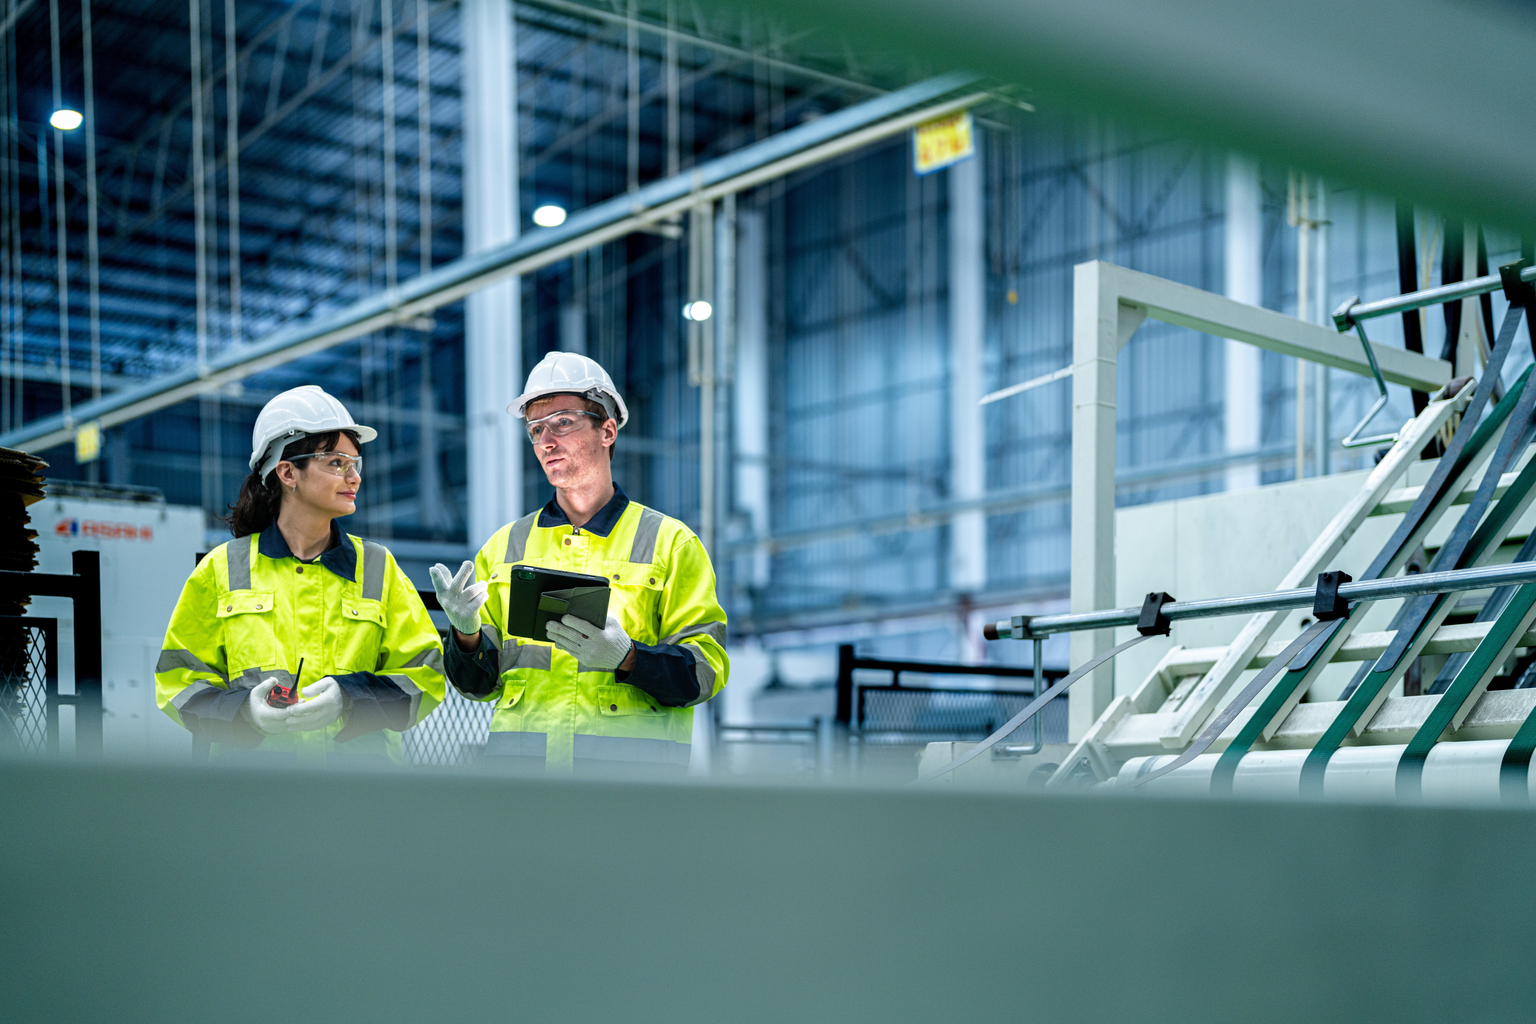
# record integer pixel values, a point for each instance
(251, 610)
(553, 712)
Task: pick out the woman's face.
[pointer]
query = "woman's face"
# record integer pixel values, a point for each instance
(325, 483)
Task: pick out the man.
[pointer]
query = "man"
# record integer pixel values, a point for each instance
(618, 695)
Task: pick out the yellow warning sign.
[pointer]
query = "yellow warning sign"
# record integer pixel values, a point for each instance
(943, 141)
(87, 442)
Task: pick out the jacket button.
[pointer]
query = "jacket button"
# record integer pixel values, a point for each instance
(567, 542)
(299, 569)
(615, 575)
(613, 707)
(653, 579)
(653, 707)
(258, 607)
(229, 607)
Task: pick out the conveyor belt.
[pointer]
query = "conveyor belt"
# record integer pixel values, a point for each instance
(1455, 553)
(1440, 488)
(1236, 705)
(1470, 683)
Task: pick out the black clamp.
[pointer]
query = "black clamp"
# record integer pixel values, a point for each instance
(1153, 622)
(1327, 605)
(1016, 629)
(1518, 292)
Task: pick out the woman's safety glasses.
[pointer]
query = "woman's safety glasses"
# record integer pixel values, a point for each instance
(557, 424)
(335, 463)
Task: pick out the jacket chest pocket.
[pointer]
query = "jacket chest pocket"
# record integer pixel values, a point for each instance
(360, 634)
(250, 632)
(621, 700)
(635, 597)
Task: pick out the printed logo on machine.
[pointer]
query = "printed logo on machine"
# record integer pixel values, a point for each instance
(102, 530)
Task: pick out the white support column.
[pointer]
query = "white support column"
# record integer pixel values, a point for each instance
(1245, 283)
(492, 316)
(967, 327)
(573, 328)
(1101, 326)
(751, 384)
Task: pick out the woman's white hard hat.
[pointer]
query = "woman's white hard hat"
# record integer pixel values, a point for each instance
(567, 373)
(298, 413)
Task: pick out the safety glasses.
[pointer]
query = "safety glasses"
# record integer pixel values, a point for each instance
(557, 424)
(335, 463)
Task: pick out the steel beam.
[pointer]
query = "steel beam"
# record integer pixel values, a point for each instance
(803, 146)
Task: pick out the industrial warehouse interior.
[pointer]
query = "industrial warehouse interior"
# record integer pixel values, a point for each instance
(907, 511)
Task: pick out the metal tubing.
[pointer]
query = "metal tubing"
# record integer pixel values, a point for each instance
(1427, 297)
(1275, 600)
(802, 146)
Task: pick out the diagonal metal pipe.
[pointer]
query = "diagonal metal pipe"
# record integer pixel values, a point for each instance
(748, 167)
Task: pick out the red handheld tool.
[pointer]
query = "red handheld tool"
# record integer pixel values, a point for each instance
(286, 696)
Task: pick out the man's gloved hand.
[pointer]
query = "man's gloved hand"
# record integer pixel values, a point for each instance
(600, 649)
(322, 704)
(267, 720)
(461, 596)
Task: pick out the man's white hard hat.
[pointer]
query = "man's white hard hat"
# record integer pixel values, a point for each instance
(297, 413)
(567, 373)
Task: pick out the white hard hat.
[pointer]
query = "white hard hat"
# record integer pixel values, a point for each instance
(297, 413)
(567, 373)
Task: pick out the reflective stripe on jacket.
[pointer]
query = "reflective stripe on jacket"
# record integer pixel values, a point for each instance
(244, 616)
(549, 708)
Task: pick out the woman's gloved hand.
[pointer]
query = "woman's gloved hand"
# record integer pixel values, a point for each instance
(600, 649)
(461, 596)
(322, 704)
(267, 719)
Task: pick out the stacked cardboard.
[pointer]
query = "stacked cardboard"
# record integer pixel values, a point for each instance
(21, 485)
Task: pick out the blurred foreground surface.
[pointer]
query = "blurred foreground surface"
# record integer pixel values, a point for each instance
(171, 893)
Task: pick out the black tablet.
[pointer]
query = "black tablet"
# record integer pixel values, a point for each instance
(539, 595)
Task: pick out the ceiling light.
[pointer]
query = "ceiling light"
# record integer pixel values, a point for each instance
(698, 309)
(66, 120)
(549, 216)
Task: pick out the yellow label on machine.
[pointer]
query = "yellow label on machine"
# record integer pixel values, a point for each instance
(87, 442)
(943, 141)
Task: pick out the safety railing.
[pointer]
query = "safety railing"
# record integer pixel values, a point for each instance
(958, 721)
(83, 587)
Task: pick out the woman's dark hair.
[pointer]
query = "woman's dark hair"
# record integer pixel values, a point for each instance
(256, 508)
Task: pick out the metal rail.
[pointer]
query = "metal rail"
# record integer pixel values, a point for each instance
(1353, 311)
(1025, 627)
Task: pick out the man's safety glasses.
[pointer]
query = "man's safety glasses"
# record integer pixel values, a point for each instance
(335, 463)
(557, 424)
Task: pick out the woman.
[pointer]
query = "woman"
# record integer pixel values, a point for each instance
(294, 589)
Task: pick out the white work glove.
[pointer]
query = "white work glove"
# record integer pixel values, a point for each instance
(600, 649)
(461, 596)
(322, 705)
(267, 719)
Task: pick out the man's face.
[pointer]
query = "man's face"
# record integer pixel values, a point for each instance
(581, 456)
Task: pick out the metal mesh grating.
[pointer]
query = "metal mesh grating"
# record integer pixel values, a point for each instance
(452, 736)
(900, 714)
(23, 687)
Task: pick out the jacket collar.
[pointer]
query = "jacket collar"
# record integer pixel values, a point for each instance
(340, 557)
(602, 524)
